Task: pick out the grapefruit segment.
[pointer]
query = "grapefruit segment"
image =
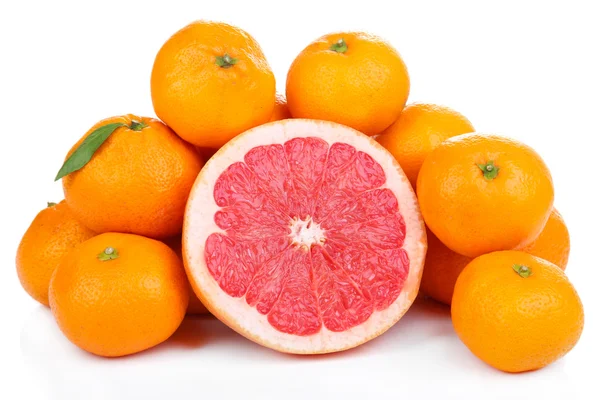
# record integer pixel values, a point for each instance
(306, 159)
(246, 222)
(304, 236)
(366, 206)
(270, 167)
(342, 301)
(297, 311)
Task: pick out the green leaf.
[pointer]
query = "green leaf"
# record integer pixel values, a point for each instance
(83, 154)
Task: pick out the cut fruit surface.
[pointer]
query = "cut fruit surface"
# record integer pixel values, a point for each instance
(304, 236)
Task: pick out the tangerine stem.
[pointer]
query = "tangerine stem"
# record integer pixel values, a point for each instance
(226, 61)
(109, 253)
(136, 125)
(523, 270)
(340, 46)
(490, 170)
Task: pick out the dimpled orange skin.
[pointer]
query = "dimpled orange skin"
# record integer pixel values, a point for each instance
(52, 234)
(473, 215)
(281, 110)
(123, 306)
(420, 128)
(207, 104)
(554, 243)
(443, 266)
(136, 182)
(513, 323)
(365, 87)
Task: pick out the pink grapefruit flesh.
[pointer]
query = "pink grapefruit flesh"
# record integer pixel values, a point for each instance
(304, 236)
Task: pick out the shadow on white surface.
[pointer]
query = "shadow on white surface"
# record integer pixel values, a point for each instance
(419, 356)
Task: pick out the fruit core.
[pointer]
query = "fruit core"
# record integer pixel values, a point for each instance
(310, 236)
(305, 232)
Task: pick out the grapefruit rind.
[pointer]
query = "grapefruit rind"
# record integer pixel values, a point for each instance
(199, 223)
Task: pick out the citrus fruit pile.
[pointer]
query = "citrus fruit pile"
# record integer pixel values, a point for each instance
(308, 225)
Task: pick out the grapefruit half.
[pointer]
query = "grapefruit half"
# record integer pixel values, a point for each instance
(304, 236)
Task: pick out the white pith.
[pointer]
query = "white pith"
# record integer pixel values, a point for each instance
(235, 312)
(306, 232)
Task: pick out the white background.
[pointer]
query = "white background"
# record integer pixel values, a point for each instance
(529, 70)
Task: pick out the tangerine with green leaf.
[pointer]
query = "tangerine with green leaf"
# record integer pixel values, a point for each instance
(211, 82)
(515, 311)
(483, 193)
(118, 294)
(130, 174)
